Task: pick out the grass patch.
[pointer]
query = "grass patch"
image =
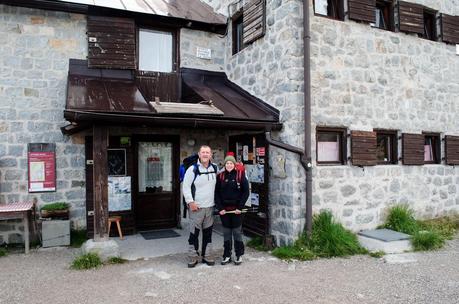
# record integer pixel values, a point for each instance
(77, 238)
(426, 235)
(258, 244)
(55, 206)
(3, 252)
(427, 240)
(377, 254)
(116, 260)
(86, 261)
(328, 239)
(401, 219)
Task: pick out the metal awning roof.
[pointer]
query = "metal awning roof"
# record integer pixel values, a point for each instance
(112, 96)
(185, 9)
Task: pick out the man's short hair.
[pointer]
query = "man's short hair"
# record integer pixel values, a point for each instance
(204, 147)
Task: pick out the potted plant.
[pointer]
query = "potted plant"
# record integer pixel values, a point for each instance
(55, 210)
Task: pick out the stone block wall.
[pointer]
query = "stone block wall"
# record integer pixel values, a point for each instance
(362, 78)
(34, 56)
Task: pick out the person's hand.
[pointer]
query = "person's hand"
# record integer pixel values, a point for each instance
(222, 212)
(237, 211)
(193, 206)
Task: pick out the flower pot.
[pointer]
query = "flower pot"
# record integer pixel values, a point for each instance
(53, 214)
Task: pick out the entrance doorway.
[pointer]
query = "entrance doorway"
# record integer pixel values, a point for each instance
(155, 188)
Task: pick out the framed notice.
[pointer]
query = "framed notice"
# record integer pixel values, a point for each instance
(119, 193)
(42, 167)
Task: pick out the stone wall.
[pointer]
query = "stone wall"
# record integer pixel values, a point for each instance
(34, 55)
(362, 78)
(365, 78)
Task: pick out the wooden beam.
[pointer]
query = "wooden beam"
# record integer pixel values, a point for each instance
(100, 174)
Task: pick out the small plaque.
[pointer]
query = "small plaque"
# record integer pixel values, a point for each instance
(203, 53)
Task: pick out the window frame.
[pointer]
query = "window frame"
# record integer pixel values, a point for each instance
(436, 150)
(393, 134)
(340, 14)
(342, 132)
(237, 19)
(432, 14)
(387, 12)
(175, 50)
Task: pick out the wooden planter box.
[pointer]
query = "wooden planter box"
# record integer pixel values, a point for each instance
(55, 214)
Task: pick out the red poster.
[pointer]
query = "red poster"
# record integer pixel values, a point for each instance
(42, 169)
(260, 151)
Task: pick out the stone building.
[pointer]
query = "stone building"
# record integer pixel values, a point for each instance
(384, 96)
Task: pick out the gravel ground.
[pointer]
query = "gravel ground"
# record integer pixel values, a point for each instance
(44, 277)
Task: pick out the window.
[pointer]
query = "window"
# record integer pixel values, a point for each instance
(237, 28)
(331, 146)
(386, 147)
(431, 148)
(155, 51)
(384, 13)
(331, 8)
(429, 25)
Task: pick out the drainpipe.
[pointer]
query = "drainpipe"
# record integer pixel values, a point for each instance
(307, 114)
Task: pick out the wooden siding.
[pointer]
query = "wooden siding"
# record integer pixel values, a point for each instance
(411, 17)
(254, 21)
(363, 148)
(158, 84)
(111, 43)
(450, 28)
(413, 149)
(452, 150)
(362, 10)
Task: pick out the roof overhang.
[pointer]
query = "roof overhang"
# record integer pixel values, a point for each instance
(97, 96)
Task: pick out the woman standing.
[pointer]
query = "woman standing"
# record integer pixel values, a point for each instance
(231, 193)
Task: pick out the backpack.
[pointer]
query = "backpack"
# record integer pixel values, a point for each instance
(188, 162)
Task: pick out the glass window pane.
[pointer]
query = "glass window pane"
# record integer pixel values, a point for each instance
(155, 166)
(328, 147)
(155, 51)
(321, 7)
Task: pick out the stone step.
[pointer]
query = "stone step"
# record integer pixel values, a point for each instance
(385, 240)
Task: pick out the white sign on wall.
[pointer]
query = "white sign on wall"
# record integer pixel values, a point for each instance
(457, 49)
(203, 53)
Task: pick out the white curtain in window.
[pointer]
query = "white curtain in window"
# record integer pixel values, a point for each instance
(328, 151)
(321, 7)
(155, 51)
(428, 153)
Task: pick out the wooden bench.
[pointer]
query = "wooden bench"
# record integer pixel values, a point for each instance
(18, 210)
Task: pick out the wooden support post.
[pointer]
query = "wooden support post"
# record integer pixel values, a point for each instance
(100, 174)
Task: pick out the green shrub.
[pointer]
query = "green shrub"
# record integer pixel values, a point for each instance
(116, 260)
(401, 219)
(86, 261)
(331, 239)
(377, 254)
(444, 226)
(3, 252)
(293, 252)
(55, 206)
(77, 238)
(328, 239)
(257, 243)
(427, 240)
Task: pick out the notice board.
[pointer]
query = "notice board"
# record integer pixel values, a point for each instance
(41, 167)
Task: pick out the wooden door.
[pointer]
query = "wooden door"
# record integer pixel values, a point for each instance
(252, 150)
(156, 186)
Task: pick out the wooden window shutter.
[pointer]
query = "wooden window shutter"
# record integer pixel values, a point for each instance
(411, 17)
(254, 21)
(363, 148)
(111, 43)
(413, 149)
(362, 10)
(452, 150)
(450, 28)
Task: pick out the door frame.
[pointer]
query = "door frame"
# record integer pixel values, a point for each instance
(175, 140)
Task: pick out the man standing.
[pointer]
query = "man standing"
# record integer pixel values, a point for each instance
(198, 190)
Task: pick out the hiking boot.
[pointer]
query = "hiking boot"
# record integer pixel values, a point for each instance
(238, 260)
(226, 260)
(193, 261)
(208, 260)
